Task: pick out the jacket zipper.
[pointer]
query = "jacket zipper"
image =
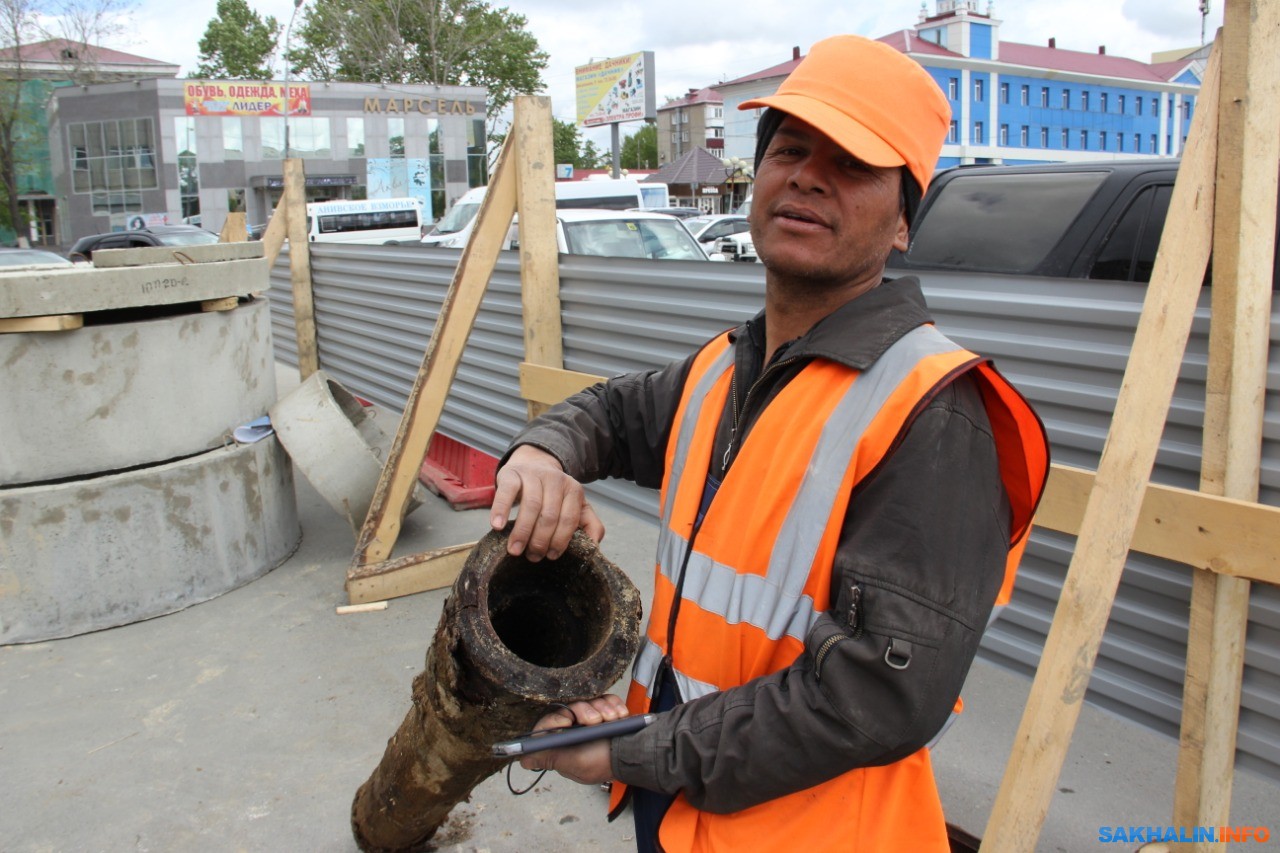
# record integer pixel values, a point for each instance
(733, 391)
(855, 624)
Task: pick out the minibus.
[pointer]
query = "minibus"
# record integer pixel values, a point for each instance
(381, 220)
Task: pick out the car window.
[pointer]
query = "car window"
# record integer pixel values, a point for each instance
(185, 238)
(1031, 213)
(631, 238)
(1129, 251)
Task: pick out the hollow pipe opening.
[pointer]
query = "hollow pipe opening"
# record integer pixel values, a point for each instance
(552, 614)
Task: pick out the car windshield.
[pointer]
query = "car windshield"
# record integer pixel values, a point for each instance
(664, 239)
(457, 218)
(187, 238)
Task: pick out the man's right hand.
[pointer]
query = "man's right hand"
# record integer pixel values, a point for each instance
(552, 505)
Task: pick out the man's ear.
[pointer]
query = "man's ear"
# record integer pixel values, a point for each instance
(902, 235)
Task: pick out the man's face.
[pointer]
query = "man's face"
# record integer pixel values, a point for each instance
(820, 215)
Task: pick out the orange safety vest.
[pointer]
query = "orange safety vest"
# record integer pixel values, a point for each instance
(760, 573)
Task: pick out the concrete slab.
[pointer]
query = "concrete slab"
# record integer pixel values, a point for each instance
(114, 396)
(200, 254)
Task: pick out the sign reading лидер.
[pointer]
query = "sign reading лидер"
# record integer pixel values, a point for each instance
(238, 98)
(614, 90)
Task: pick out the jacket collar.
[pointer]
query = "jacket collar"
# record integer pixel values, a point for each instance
(857, 333)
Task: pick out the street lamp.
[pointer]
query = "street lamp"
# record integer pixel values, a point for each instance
(736, 170)
(288, 31)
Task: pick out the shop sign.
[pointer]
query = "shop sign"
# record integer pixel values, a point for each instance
(237, 98)
(616, 90)
(428, 106)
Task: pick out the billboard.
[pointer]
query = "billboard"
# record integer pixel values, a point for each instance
(237, 98)
(614, 90)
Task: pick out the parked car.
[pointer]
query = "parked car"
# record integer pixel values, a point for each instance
(737, 247)
(156, 235)
(620, 234)
(19, 257)
(678, 212)
(709, 230)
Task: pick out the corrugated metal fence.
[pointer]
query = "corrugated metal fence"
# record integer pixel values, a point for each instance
(1063, 342)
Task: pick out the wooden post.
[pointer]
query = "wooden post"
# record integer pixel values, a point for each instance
(234, 229)
(1111, 514)
(539, 253)
(273, 237)
(304, 312)
(1244, 231)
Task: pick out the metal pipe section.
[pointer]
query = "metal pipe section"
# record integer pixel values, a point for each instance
(514, 637)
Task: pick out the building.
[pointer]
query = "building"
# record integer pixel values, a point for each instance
(38, 69)
(167, 150)
(1019, 103)
(694, 121)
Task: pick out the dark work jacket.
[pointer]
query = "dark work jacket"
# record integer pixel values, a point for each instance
(926, 538)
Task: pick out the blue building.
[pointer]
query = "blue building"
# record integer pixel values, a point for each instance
(1018, 103)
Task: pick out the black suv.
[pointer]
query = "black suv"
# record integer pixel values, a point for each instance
(156, 235)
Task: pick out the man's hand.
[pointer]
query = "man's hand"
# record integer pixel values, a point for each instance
(587, 763)
(552, 505)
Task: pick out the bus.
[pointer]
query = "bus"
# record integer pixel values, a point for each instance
(381, 220)
(454, 230)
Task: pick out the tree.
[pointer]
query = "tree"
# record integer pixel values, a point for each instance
(640, 149)
(238, 43)
(445, 42)
(24, 89)
(571, 148)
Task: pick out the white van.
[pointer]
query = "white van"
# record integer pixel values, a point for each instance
(381, 220)
(454, 230)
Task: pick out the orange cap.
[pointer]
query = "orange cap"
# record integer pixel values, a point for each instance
(871, 100)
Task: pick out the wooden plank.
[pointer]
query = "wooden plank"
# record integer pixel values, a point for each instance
(1213, 533)
(1111, 515)
(549, 385)
(407, 575)
(277, 230)
(54, 323)
(1244, 226)
(81, 289)
(204, 253)
(539, 255)
(226, 304)
(234, 229)
(304, 311)
(439, 364)
(367, 607)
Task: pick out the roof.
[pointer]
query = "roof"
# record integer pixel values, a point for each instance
(695, 97)
(51, 51)
(782, 69)
(909, 41)
(697, 166)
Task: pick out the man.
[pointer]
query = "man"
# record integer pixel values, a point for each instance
(845, 493)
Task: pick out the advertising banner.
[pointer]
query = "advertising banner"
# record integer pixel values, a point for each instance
(237, 98)
(398, 177)
(615, 90)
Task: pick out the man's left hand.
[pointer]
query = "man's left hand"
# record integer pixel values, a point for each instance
(587, 763)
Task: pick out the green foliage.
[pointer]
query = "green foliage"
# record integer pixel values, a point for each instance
(446, 42)
(238, 43)
(640, 149)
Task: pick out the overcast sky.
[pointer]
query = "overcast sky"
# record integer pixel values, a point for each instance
(699, 44)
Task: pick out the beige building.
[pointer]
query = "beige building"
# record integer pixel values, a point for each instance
(694, 121)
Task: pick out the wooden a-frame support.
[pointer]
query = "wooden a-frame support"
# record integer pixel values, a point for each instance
(289, 221)
(523, 178)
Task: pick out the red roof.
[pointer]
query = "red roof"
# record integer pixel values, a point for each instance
(695, 96)
(909, 41)
(51, 51)
(781, 70)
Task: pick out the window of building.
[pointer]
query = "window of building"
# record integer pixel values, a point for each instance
(1102, 102)
(1119, 141)
(953, 87)
(1044, 137)
(717, 132)
(1137, 143)
(1102, 140)
(977, 89)
(395, 136)
(1084, 100)
(1137, 105)
(184, 134)
(232, 138)
(309, 138)
(953, 133)
(1066, 99)
(1044, 96)
(1026, 95)
(1024, 137)
(1154, 149)
(684, 136)
(355, 137)
(977, 133)
(477, 158)
(1004, 134)
(1084, 139)
(1186, 110)
(717, 112)
(1120, 104)
(1155, 107)
(108, 157)
(1066, 138)
(1004, 93)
